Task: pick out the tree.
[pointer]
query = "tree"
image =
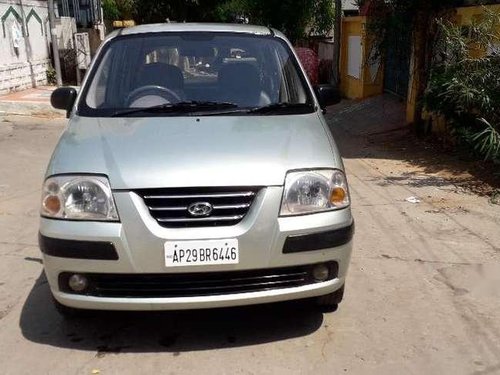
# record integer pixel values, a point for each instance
(424, 38)
(229, 11)
(296, 18)
(110, 10)
(336, 43)
(118, 9)
(154, 11)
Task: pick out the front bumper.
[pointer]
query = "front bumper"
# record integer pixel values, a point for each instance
(138, 240)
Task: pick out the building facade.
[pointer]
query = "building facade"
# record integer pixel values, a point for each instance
(24, 44)
(363, 76)
(87, 13)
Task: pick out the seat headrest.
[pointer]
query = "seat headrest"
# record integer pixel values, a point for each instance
(237, 76)
(162, 74)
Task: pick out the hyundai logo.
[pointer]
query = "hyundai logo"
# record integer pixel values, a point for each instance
(199, 209)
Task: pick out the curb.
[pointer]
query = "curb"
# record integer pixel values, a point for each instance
(25, 108)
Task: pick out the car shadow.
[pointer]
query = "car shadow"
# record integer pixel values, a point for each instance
(171, 331)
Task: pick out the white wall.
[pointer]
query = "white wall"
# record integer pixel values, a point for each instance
(24, 47)
(349, 5)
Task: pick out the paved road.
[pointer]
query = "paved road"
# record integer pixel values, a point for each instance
(422, 297)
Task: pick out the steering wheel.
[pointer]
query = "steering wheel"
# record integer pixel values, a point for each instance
(169, 95)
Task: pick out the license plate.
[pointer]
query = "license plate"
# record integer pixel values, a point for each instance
(200, 253)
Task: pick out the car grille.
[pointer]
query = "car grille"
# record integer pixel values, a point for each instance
(170, 206)
(194, 284)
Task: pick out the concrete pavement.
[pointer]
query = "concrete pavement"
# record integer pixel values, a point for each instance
(422, 294)
(28, 102)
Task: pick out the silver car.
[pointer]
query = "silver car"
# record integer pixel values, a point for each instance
(197, 171)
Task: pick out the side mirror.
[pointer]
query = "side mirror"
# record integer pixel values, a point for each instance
(63, 98)
(327, 95)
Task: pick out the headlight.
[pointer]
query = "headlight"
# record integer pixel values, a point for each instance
(78, 198)
(314, 191)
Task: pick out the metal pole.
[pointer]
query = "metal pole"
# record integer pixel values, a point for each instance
(78, 73)
(55, 47)
(78, 76)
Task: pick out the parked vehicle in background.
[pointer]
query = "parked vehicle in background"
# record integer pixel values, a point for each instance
(197, 171)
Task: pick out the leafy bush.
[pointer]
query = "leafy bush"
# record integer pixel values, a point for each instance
(51, 76)
(465, 83)
(296, 18)
(110, 10)
(118, 9)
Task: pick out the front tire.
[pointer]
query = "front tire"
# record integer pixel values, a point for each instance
(330, 302)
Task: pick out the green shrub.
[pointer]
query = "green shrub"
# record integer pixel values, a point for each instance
(51, 76)
(465, 83)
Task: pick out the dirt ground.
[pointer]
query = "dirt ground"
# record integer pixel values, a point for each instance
(433, 156)
(423, 292)
(429, 156)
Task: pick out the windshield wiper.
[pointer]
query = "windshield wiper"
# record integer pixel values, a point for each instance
(283, 107)
(181, 107)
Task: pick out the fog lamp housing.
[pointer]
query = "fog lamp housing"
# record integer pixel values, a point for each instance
(321, 272)
(78, 283)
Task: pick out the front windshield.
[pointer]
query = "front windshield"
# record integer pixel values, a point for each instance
(168, 70)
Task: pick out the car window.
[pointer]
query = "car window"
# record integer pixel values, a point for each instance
(97, 93)
(147, 70)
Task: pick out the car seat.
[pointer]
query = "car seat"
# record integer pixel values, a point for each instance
(240, 83)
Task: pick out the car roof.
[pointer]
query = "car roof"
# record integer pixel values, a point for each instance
(196, 27)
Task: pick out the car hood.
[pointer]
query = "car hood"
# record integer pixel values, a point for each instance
(194, 151)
